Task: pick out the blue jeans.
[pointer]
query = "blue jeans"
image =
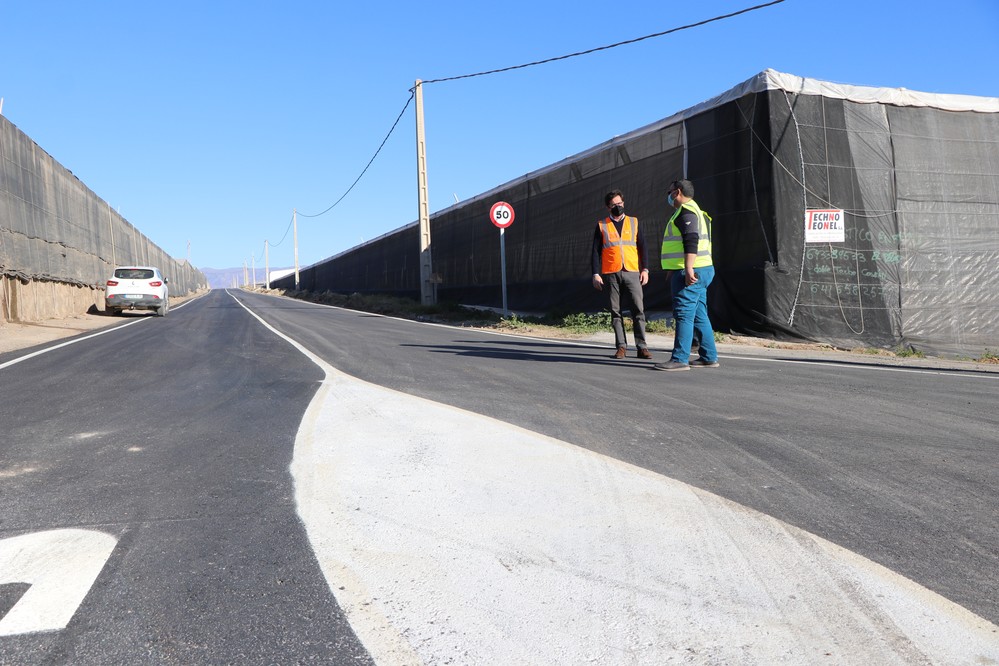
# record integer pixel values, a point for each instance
(690, 309)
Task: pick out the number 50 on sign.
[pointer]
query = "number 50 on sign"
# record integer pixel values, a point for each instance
(501, 214)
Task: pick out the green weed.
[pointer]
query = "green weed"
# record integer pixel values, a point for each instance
(989, 357)
(908, 352)
(661, 326)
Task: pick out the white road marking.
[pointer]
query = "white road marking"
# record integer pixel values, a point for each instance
(60, 566)
(66, 344)
(982, 372)
(971, 373)
(86, 337)
(449, 537)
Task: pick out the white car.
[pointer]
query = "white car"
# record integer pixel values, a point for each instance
(137, 288)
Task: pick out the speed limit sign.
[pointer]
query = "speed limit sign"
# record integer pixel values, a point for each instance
(501, 214)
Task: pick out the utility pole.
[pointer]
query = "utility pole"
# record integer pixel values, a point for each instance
(267, 265)
(428, 291)
(253, 279)
(114, 254)
(294, 222)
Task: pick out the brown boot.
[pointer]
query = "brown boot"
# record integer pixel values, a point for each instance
(619, 353)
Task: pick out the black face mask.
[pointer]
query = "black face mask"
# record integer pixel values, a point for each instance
(617, 210)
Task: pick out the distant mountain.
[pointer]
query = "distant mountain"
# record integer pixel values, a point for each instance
(226, 278)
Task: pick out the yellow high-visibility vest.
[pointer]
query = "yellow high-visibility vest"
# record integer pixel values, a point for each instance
(672, 254)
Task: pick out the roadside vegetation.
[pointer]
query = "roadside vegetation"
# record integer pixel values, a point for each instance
(908, 352)
(989, 357)
(552, 325)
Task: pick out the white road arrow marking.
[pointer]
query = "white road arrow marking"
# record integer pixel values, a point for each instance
(61, 566)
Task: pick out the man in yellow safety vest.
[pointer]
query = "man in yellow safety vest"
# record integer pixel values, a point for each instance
(686, 254)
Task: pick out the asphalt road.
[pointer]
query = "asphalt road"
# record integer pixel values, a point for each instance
(175, 436)
(896, 465)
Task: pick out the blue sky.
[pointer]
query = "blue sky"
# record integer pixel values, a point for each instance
(209, 122)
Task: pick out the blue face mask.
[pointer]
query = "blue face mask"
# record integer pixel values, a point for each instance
(669, 199)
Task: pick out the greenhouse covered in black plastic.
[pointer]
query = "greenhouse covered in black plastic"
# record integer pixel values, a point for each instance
(911, 261)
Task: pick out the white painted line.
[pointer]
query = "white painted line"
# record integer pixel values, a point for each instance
(60, 566)
(568, 342)
(970, 373)
(86, 337)
(449, 537)
(66, 344)
(484, 331)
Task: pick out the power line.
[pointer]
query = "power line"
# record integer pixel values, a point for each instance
(285, 232)
(609, 46)
(369, 162)
(530, 64)
(253, 255)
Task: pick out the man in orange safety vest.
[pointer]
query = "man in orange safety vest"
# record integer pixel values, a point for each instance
(618, 261)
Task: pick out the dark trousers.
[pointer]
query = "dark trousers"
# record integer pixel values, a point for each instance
(627, 281)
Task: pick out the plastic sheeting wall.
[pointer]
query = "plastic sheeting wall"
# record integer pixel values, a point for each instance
(53, 228)
(549, 244)
(919, 186)
(547, 247)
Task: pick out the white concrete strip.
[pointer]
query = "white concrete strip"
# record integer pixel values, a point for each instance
(448, 537)
(60, 566)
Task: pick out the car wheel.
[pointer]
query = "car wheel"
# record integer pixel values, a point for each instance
(161, 311)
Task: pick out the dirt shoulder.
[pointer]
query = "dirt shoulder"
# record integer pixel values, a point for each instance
(23, 336)
(15, 336)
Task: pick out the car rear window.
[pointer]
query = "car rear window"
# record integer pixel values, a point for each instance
(133, 273)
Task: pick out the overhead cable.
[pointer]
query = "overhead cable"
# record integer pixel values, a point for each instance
(609, 46)
(531, 64)
(285, 231)
(369, 161)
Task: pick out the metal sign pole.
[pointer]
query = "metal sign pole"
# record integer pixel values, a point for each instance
(501, 214)
(506, 311)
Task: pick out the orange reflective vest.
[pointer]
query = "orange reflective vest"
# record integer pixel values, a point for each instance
(620, 250)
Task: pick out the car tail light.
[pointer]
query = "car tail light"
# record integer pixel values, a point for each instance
(112, 283)
(155, 283)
